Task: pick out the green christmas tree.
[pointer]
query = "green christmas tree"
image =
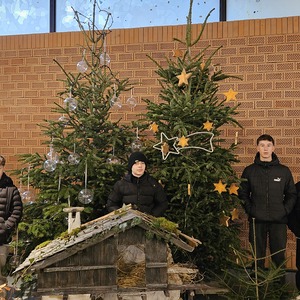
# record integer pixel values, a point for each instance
(189, 154)
(87, 150)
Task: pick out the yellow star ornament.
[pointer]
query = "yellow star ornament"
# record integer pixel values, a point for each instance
(154, 127)
(234, 214)
(208, 125)
(224, 220)
(220, 187)
(183, 78)
(230, 95)
(165, 149)
(233, 189)
(183, 141)
(177, 53)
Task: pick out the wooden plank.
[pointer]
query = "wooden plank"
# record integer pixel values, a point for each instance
(132, 236)
(78, 268)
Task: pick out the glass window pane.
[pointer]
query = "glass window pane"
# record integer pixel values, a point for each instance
(136, 13)
(261, 9)
(24, 16)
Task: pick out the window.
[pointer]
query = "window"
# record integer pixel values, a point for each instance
(137, 13)
(24, 16)
(261, 9)
(33, 16)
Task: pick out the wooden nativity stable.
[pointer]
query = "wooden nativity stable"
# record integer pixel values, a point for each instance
(122, 255)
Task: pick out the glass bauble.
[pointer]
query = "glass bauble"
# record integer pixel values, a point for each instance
(74, 158)
(52, 155)
(136, 145)
(131, 102)
(63, 120)
(113, 160)
(49, 165)
(15, 260)
(28, 197)
(71, 103)
(86, 196)
(82, 66)
(104, 59)
(115, 102)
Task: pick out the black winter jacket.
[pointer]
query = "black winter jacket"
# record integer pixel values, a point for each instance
(144, 193)
(11, 208)
(294, 216)
(269, 192)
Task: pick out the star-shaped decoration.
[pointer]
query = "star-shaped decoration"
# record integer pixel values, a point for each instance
(208, 125)
(183, 78)
(189, 190)
(208, 141)
(202, 65)
(224, 220)
(230, 95)
(233, 189)
(183, 141)
(166, 144)
(220, 187)
(234, 214)
(165, 148)
(177, 53)
(153, 127)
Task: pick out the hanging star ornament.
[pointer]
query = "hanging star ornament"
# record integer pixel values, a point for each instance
(202, 65)
(167, 146)
(233, 189)
(207, 140)
(235, 214)
(230, 95)
(165, 149)
(183, 78)
(183, 141)
(153, 127)
(177, 53)
(208, 125)
(220, 187)
(224, 220)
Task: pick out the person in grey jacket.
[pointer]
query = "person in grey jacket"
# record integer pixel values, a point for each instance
(139, 189)
(269, 195)
(11, 210)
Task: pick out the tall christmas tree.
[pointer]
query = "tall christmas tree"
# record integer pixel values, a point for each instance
(189, 153)
(87, 150)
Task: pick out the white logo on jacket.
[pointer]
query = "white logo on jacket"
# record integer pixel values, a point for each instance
(278, 179)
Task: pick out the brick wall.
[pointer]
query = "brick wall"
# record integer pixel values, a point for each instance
(264, 53)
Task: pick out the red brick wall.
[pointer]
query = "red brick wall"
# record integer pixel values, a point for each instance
(264, 53)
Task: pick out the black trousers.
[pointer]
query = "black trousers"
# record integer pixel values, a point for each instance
(277, 234)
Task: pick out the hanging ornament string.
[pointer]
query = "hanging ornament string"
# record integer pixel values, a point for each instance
(27, 196)
(131, 102)
(74, 158)
(28, 177)
(104, 57)
(115, 101)
(58, 188)
(137, 144)
(85, 175)
(113, 159)
(70, 102)
(86, 195)
(82, 65)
